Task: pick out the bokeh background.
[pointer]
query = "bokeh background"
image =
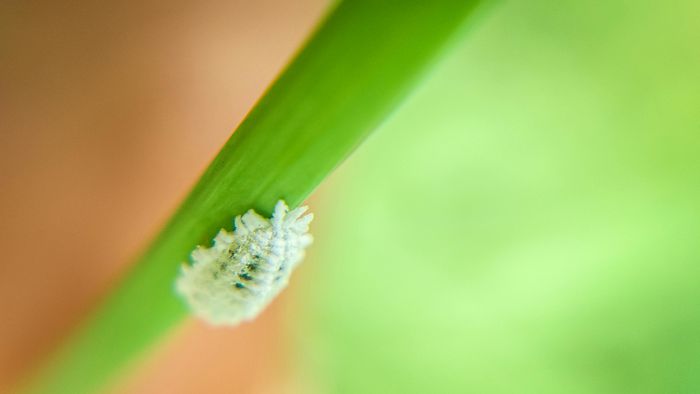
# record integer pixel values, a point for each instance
(527, 222)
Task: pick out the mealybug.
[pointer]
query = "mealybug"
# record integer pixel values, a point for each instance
(235, 279)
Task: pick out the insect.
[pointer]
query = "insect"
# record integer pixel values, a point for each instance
(243, 271)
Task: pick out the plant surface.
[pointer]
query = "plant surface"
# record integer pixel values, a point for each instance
(357, 67)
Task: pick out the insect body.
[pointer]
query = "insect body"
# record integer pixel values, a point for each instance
(236, 278)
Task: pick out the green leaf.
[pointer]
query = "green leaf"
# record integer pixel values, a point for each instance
(357, 67)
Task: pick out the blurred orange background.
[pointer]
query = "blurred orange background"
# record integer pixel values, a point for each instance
(109, 112)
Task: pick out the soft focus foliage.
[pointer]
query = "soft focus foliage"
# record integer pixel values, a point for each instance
(528, 222)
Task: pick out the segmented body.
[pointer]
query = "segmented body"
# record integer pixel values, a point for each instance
(236, 278)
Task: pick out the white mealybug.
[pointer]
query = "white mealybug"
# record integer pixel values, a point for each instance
(235, 279)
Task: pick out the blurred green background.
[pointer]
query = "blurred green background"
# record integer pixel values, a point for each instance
(527, 222)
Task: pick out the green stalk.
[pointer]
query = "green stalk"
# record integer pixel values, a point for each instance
(356, 68)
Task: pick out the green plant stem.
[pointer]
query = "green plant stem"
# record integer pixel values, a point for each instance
(357, 67)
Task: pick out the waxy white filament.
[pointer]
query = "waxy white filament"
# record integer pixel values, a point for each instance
(235, 279)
